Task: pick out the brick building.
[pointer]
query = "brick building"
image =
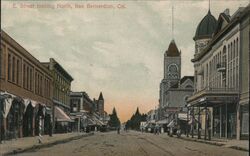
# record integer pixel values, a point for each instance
(61, 94)
(25, 91)
(221, 75)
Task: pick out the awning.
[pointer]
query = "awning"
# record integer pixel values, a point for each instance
(91, 122)
(171, 124)
(192, 121)
(164, 121)
(96, 121)
(151, 121)
(61, 116)
(48, 111)
(6, 106)
(7, 102)
(99, 122)
(146, 125)
(182, 116)
(27, 102)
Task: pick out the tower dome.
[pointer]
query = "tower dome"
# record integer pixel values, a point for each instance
(172, 50)
(206, 27)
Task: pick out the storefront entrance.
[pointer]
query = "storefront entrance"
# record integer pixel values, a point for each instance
(14, 120)
(224, 121)
(28, 121)
(231, 127)
(39, 119)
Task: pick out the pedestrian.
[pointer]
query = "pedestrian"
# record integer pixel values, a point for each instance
(50, 129)
(171, 132)
(118, 130)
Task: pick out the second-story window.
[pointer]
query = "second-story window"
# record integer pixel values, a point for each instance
(18, 71)
(27, 77)
(31, 79)
(13, 69)
(9, 67)
(24, 76)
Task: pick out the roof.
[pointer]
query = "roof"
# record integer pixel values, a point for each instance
(241, 14)
(223, 18)
(187, 77)
(100, 97)
(176, 85)
(206, 27)
(172, 50)
(84, 96)
(58, 67)
(61, 116)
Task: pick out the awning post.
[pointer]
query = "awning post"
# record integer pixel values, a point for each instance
(192, 124)
(199, 124)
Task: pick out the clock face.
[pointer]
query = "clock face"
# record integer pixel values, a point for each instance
(172, 68)
(173, 71)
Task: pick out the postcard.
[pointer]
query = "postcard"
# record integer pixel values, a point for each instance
(124, 77)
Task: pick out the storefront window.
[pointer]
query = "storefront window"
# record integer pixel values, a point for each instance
(245, 123)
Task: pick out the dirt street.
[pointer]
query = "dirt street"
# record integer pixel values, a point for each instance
(133, 144)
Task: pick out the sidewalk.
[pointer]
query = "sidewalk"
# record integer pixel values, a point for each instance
(235, 144)
(28, 143)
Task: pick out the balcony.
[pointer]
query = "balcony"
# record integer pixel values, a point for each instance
(214, 95)
(221, 67)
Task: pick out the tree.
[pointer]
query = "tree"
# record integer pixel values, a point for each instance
(135, 120)
(114, 120)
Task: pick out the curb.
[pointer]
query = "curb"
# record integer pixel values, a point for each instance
(215, 144)
(49, 144)
(239, 148)
(206, 142)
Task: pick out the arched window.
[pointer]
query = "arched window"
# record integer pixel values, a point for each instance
(173, 68)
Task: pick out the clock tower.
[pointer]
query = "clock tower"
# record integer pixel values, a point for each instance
(172, 71)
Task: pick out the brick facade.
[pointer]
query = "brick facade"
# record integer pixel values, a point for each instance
(22, 74)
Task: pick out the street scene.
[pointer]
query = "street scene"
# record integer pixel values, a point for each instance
(134, 143)
(118, 78)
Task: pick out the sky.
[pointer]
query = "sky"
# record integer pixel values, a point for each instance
(117, 50)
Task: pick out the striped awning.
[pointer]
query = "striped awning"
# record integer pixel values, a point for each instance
(61, 116)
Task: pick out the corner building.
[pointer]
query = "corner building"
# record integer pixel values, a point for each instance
(221, 76)
(25, 92)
